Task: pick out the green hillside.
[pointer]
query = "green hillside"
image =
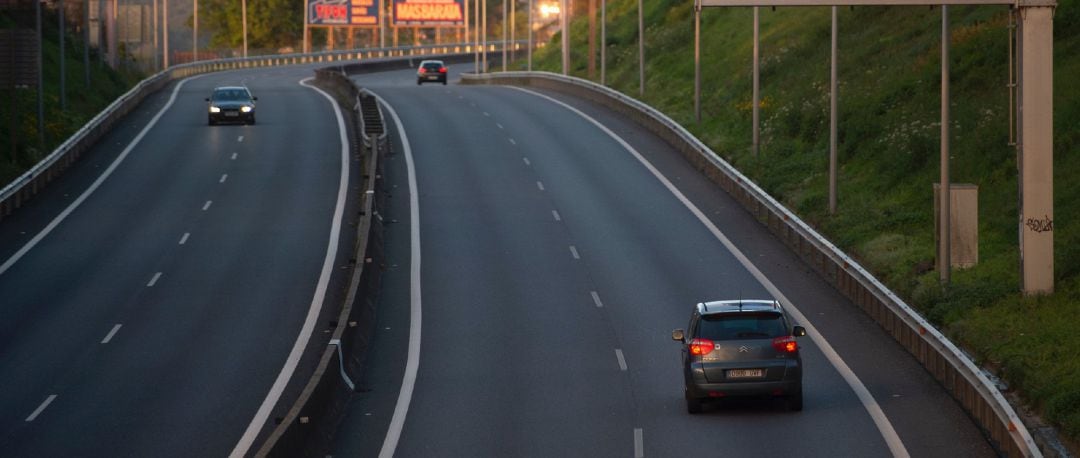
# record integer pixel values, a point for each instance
(889, 129)
(60, 122)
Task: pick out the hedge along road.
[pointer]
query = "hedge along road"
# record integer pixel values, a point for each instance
(155, 317)
(556, 263)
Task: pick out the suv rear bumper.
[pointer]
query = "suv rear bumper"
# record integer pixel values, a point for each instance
(744, 389)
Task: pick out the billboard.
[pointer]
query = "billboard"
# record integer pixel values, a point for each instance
(343, 12)
(429, 13)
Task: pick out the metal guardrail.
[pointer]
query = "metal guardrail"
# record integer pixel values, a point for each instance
(16, 193)
(947, 363)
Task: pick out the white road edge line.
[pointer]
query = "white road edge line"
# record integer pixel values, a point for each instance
(112, 333)
(888, 433)
(41, 408)
(622, 359)
(596, 299)
(401, 410)
(306, 330)
(639, 443)
(153, 281)
(97, 183)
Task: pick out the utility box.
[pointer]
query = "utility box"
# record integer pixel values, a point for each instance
(963, 224)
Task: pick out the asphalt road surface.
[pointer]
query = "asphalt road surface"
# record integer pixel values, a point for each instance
(154, 319)
(553, 265)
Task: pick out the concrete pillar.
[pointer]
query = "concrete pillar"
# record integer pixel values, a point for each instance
(1036, 161)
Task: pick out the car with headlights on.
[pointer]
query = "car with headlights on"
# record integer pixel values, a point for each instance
(740, 348)
(431, 71)
(231, 104)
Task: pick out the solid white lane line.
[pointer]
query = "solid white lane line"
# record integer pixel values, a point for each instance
(555, 213)
(622, 359)
(512, 142)
(573, 252)
(527, 163)
(888, 433)
(241, 139)
(540, 185)
(97, 183)
(183, 239)
(207, 205)
(233, 156)
(153, 281)
(639, 443)
(596, 298)
(304, 336)
(412, 365)
(223, 178)
(112, 333)
(41, 408)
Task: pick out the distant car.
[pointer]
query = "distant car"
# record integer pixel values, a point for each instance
(431, 70)
(740, 348)
(233, 104)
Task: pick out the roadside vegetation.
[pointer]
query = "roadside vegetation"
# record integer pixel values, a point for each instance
(83, 102)
(889, 126)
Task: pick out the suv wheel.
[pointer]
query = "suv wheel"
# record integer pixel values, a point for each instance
(694, 405)
(794, 402)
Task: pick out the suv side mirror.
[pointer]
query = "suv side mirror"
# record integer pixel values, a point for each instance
(678, 335)
(798, 331)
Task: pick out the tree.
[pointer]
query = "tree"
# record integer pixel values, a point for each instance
(272, 24)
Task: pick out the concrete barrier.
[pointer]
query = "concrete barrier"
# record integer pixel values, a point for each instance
(950, 366)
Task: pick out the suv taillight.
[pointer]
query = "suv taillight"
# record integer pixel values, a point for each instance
(785, 344)
(442, 70)
(423, 70)
(700, 347)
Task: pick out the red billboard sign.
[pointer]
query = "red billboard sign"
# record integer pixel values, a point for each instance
(445, 13)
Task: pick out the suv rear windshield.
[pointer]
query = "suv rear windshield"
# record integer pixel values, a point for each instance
(432, 66)
(742, 326)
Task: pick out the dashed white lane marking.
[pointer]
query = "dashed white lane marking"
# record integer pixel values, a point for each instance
(498, 125)
(884, 426)
(207, 205)
(512, 142)
(241, 139)
(596, 298)
(223, 178)
(153, 281)
(487, 114)
(555, 213)
(573, 252)
(234, 156)
(41, 408)
(639, 443)
(527, 163)
(183, 238)
(112, 333)
(540, 185)
(622, 359)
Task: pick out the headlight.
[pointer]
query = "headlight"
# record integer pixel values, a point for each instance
(214, 109)
(245, 109)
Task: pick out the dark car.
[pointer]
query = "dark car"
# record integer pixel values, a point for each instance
(233, 104)
(740, 348)
(431, 70)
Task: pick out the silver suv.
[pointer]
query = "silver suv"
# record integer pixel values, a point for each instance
(740, 348)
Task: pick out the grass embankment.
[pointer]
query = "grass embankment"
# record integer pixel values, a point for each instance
(889, 130)
(83, 101)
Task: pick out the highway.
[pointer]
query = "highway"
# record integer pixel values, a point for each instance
(153, 315)
(539, 277)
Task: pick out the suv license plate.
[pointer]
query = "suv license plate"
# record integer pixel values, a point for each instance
(745, 373)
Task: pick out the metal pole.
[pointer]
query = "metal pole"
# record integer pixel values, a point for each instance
(243, 18)
(832, 115)
(945, 214)
(157, 31)
(40, 78)
(63, 68)
(641, 48)
(476, 37)
(1012, 77)
(504, 27)
(603, 42)
(195, 35)
(165, 33)
(564, 24)
(513, 22)
(754, 146)
(307, 15)
(530, 34)
(86, 41)
(484, 52)
(697, 61)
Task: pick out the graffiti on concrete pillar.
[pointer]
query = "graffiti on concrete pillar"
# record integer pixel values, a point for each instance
(1040, 225)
